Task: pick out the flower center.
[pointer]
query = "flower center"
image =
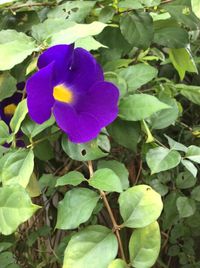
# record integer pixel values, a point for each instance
(10, 109)
(62, 93)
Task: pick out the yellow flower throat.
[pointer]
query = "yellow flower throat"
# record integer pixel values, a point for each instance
(63, 94)
(10, 109)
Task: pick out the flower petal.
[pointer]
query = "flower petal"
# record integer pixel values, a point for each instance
(101, 102)
(62, 56)
(84, 71)
(79, 127)
(40, 94)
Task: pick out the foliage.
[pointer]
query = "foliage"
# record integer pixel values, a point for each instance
(98, 204)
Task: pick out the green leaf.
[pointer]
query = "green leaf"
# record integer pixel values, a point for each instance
(106, 180)
(192, 93)
(182, 60)
(196, 7)
(76, 208)
(73, 178)
(32, 129)
(88, 43)
(144, 246)
(18, 116)
(14, 48)
(82, 151)
(137, 29)
(85, 248)
(174, 145)
(186, 207)
(33, 187)
(130, 4)
(125, 133)
(73, 33)
(140, 106)
(190, 167)
(7, 85)
(138, 75)
(119, 169)
(15, 208)
(17, 167)
(118, 263)
(4, 132)
(139, 206)
(170, 213)
(72, 10)
(185, 180)
(150, 3)
(193, 153)
(6, 258)
(160, 159)
(195, 193)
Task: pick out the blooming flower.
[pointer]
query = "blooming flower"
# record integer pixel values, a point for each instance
(70, 83)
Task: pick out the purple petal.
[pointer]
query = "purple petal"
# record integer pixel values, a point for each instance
(79, 127)
(101, 102)
(61, 55)
(84, 72)
(40, 94)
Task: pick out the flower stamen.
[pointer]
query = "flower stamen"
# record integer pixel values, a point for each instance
(10, 109)
(62, 93)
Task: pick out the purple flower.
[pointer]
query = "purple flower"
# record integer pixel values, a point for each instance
(70, 83)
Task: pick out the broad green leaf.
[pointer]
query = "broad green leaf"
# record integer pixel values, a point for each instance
(195, 193)
(186, 207)
(182, 60)
(6, 259)
(73, 178)
(130, 4)
(15, 208)
(118, 263)
(138, 75)
(192, 93)
(125, 133)
(190, 167)
(174, 145)
(106, 14)
(196, 7)
(86, 247)
(73, 33)
(88, 43)
(144, 246)
(5, 245)
(106, 180)
(18, 116)
(31, 129)
(33, 187)
(139, 206)
(170, 212)
(76, 208)
(185, 180)
(7, 85)
(159, 187)
(137, 29)
(82, 151)
(72, 10)
(47, 182)
(150, 3)
(160, 159)
(193, 153)
(119, 169)
(17, 167)
(14, 48)
(4, 132)
(140, 106)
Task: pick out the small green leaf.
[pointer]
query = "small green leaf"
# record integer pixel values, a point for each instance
(185, 180)
(160, 159)
(7, 85)
(17, 167)
(144, 246)
(182, 61)
(106, 180)
(73, 178)
(119, 169)
(76, 208)
(195, 193)
(18, 116)
(190, 167)
(186, 207)
(118, 263)
(138, 75)
(33, 187)
(82, 151)
(140, 106)
(4, 132)
(73, 33)
(192, 93)
(174, 145)
(85, 248)
(15, 208)
(140, 206)
(193, 153)
(14, 48)
(88, 43)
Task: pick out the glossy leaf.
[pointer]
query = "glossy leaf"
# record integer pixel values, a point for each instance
(73, 178)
